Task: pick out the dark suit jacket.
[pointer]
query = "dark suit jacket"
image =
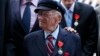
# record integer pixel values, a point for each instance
(87, 28)
(34, 44)
(15, 38)
(2, 24)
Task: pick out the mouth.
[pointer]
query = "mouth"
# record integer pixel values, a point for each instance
(43, 22)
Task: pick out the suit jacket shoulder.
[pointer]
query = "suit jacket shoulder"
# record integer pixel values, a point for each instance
(62, 32)
(33, 35)
(72, 35)
(84, 7)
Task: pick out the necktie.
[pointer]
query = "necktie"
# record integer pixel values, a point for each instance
(50, 46)
(27, 17)
(68, 17)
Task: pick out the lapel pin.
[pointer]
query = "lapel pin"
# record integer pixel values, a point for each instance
(76, 23)
(76, 16)
(60, 51)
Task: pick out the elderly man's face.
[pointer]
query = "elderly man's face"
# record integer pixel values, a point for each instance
(68, 3)
(48, 19)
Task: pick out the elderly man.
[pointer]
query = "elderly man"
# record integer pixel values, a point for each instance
(51, 40)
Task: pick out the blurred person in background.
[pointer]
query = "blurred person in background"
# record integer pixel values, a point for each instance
(21, 20)
(2, 25)
(83, 19)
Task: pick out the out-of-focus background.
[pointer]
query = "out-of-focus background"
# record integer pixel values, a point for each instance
(93, 3)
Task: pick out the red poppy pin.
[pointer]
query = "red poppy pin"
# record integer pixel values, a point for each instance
(66, 54)
(60, 44)
(76, 16)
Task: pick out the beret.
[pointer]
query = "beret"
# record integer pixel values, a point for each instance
(49, 5)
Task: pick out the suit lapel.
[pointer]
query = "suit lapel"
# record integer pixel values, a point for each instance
(61, 37)
(41, 43)
(15, 10)
(76, 11)
(63, 22)
(56, 46)
(18, 14)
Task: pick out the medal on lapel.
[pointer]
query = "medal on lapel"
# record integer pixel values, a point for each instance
(76, 16)
(60, 44)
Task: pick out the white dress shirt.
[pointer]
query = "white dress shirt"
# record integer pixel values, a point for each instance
(54, 34)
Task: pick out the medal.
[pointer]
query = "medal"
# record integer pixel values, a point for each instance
(76, 19)
(60, 51)
(76, 23)
(60, 44)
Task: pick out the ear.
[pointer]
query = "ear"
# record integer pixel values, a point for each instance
(59, 18)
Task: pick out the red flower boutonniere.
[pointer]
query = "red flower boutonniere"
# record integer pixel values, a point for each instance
(76, 16)
(60, 44)
(66, 54)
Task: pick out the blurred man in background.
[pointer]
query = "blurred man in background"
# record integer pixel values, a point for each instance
(21, 21)
(83, 19)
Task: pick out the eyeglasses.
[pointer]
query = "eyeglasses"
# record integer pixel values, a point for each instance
(44, 13)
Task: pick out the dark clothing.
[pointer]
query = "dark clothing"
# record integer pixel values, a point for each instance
(2, 25)
(87, 27)
(35, 45)
(15, 38)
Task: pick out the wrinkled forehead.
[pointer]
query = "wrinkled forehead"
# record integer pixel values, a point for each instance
(47, 11)
(41, 11)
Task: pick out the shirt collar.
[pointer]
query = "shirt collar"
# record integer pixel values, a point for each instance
(71, 8)
(54, 34)
(35, 2)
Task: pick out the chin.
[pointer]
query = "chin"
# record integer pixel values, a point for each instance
(42, 26)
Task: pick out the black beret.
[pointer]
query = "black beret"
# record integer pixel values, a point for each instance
(49, 5)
